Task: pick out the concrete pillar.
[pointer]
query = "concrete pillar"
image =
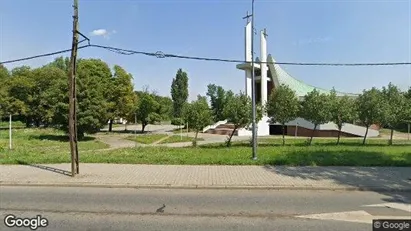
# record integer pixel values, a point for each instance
(248, 58)
(264, 66)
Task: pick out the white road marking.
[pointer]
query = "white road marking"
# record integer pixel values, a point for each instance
(399, 206)
(351, 216)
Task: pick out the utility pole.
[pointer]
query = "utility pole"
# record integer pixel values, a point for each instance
(72, 96)
(253, 93)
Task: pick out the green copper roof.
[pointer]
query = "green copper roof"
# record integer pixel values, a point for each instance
(279, 76)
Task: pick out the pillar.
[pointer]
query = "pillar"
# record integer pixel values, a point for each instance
(248, 58)
(264, 66)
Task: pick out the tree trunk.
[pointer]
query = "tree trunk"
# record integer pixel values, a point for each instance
(37, 123)
(312, 134)
(339, 135)
(143, 126)
(392, 134)
(365, 136)
(283, 135)
(195, 139)
(110, 126)
(231, 136)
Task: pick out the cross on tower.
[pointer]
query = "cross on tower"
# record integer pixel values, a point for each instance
(265, 32)
(248, 16)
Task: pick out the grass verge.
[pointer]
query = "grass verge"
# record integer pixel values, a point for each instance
(323, 152)
(31, 145)
(179, 139)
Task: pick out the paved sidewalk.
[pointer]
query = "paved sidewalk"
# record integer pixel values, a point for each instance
(186, 176)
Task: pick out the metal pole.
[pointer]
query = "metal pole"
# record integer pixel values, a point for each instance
(253, 96)
(10, 140)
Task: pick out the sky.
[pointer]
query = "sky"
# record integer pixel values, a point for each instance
(339, 31)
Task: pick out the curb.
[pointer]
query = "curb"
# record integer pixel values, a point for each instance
(215, 187)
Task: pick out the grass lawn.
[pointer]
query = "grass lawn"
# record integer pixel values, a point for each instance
(48, 144)
(178, 139)
(147, 139)
(323, 152)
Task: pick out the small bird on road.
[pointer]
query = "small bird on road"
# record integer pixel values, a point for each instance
(161, 209)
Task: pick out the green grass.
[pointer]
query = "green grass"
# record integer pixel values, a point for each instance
(323, 152)
(147, 139)
(178, 139)
(32, 144)
(14, 124)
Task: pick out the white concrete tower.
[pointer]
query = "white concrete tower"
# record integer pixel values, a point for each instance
(248, 57)
(264, 66)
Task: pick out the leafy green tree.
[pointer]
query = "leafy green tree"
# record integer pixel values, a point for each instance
(198, 115)
(371, 108)
(396, 108)
(147, 110)
(93, 80)
(238, 111)
(282, 106)
(19, 92)
(44, 94)
(62, 63)
(218, 99)
(316, 108)
(4, 73)
(342, 111)
(123, 99)
(165, 109)
(179, 92)
(4, 79)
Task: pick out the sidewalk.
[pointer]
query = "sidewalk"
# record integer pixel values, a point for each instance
(230, 177)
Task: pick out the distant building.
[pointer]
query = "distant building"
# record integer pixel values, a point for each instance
(269, 75)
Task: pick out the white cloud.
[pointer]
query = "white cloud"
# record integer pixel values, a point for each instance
(103, 32)
(99, 32)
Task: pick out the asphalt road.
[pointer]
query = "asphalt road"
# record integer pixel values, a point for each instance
(145, 209)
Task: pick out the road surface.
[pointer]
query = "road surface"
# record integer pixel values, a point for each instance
(155, 209)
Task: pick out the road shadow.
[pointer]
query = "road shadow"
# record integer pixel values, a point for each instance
(51, 169)
(59, 138)
(392, 179)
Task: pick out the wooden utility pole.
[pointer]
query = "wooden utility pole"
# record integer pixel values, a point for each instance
(72, 96)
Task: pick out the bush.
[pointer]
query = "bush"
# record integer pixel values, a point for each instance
(177, 121)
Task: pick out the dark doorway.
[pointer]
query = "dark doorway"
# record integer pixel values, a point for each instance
(276, 130)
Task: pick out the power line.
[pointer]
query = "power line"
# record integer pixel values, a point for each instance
(160, 54)
(41, 56)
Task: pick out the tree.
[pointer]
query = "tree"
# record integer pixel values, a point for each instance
(371, 108)
(62, 63)
(316, 108)
(179, 92)
(147, 110)
(218, 97)
(122, 98)
(342, 111)
(4, 79)
(93, 79)
(282, 106)
(44, 94)
(238, 111)
(395, 108)
(198, 115)
(19, 92)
